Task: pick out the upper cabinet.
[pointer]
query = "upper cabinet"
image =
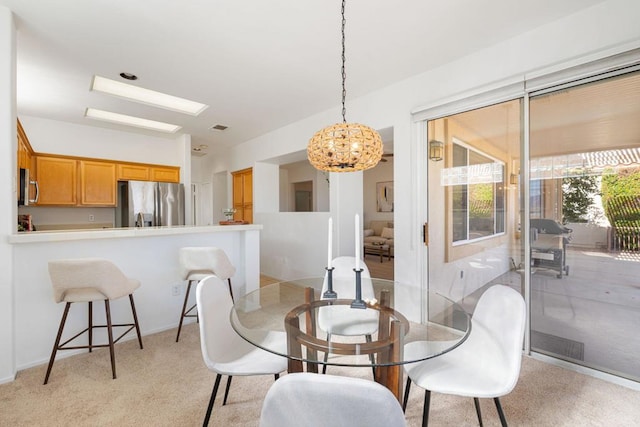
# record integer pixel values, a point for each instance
(142, 172)
(25, 152)
(76, 181)
(131, 172)
(97, 183)
(165, 174)
(57, 181)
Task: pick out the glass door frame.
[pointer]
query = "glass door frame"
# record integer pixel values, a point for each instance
(525, 88)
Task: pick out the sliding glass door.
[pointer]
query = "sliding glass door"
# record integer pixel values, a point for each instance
(474, 207)
(585, 224)
(575, 253)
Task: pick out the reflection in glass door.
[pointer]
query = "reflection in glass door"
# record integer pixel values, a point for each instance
(585, 224)
(474, 206)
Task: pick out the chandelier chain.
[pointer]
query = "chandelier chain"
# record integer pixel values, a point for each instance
(344, 73)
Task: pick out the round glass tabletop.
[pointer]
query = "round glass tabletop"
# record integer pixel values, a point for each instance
(295, 320)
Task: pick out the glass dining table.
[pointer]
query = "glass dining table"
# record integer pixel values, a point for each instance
(289, 318)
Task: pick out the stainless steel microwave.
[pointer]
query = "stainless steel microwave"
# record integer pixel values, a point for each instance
(25, 185)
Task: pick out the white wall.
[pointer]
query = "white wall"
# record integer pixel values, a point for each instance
(381, 173)
(56, 137)
(8, 148)
(307, 257)
(302, 172)
(604, 29)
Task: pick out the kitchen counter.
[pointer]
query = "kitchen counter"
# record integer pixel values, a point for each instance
(110, 233)
(149, 255)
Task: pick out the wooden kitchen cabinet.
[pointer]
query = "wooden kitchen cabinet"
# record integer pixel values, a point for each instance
(164, 173)
(24, 149)
(97, 183)
(129, 172)
(243, 195)
(141, 172)
(57, 181)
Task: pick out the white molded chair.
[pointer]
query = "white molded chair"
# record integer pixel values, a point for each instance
(343, 320)
(223, 350)
(196, 263)
(486, 365)
(88, 280)
(312, 400)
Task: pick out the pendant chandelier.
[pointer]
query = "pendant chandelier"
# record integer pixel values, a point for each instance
(345, 147)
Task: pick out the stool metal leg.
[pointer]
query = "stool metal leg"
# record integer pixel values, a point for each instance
(90, 326)
(107, 310)
(184, 309)
(57, 343)
(135, 320)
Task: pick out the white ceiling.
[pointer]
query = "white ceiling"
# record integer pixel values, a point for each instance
(259, 64)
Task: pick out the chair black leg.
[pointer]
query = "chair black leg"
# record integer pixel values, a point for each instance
(57, 343)
(135, 320)
(276, 376)
(226, 390)
(107, 310)
(326, 355)
(211, 400)
(90, 326)
(425, 409)
(184, 308)
(230, 288)
(406, 395)
(476, 402)
(503, 420)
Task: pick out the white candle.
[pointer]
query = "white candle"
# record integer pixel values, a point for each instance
(329, 257)
(357, 242)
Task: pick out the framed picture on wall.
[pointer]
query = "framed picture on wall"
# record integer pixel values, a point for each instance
(384, 196)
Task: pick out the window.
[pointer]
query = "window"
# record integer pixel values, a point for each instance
(477, 194)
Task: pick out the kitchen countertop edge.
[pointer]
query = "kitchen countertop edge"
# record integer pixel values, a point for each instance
(111, 233)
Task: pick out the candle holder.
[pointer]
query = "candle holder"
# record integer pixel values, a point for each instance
(358, 302)
(330, 293)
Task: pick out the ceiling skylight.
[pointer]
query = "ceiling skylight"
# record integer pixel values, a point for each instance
(123, 119)
(146, 96)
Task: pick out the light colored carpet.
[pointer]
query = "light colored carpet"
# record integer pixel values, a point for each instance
(167, 384)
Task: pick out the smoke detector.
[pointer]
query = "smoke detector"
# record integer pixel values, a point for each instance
(200, 150)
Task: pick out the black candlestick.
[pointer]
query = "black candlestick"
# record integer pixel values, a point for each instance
(358, 302)
(329, 293)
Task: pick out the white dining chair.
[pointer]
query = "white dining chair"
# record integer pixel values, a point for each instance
(343, 320)
(312, 400)
(486, 364)
(223, 350)
(195, 264)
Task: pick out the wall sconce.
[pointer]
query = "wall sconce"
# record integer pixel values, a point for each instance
(436, 150)
(513, 179)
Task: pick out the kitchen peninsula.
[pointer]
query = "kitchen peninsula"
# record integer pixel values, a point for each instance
(147, 254)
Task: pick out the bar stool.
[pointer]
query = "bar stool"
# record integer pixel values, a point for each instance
(196, 263)
(88, 280)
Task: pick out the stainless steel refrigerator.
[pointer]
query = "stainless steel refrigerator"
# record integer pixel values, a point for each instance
(149, 204)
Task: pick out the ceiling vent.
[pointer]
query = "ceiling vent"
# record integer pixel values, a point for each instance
(218, 127)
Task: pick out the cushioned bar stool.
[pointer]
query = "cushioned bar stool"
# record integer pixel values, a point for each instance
(88, 280)
(196, 263)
